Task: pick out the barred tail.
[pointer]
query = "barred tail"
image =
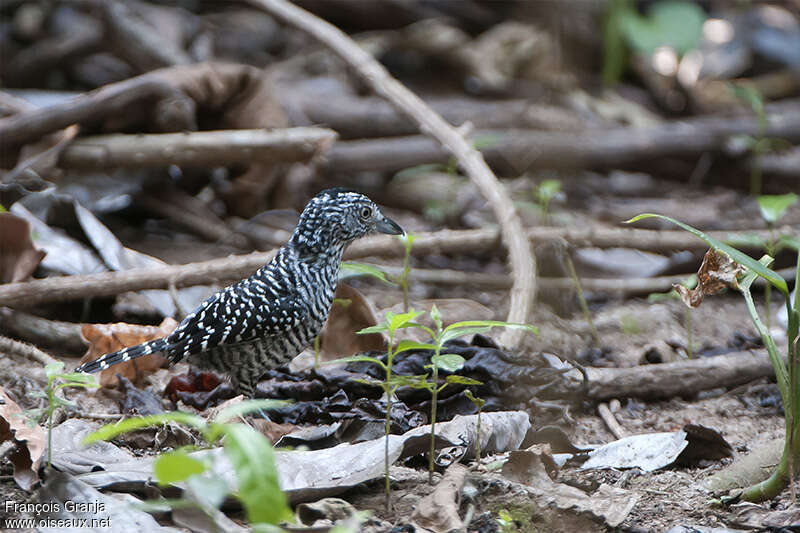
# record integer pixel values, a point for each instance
(121, 356)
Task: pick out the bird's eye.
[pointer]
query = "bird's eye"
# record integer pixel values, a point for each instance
(366, 212)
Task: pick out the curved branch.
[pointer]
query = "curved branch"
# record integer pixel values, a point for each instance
(523, 266)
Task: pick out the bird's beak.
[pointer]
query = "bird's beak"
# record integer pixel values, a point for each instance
(387, 225)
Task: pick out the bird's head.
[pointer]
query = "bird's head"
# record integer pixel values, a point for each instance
(336, 217)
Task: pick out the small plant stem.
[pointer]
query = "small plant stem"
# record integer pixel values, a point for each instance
(478, 439)
(584, 306)
(388, 424)
(688, 325)
(434, 396)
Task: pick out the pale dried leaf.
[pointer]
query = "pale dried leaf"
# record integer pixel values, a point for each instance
(29, 442)
(717, 272)
(18, 256)
(107, 338)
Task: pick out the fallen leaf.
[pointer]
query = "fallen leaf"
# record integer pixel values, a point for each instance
(18, 256)
(107, 338)
(609, 504)
(717, 272)
(29, 442)
(438, 511)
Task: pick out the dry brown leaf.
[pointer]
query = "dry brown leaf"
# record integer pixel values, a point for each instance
(438, 511)
(717, 272)
(339, 338)
(18, 256)
(107, 338)
(29, 442)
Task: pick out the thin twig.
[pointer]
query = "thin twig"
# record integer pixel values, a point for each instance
(522, 262)
(25, 350)
(611, 421)
(68, 288)
(199, 148)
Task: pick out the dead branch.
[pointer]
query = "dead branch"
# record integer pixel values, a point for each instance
(200, 148)
(10, 346)
(682, 378)
(522, 262)
(611, 421)
(521, 150)
(84, 108)
(447, 241)
(192, 214)
(41, 331)
(355, 118)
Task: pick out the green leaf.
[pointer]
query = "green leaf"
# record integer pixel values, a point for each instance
(781, 370)
(173, 467)
(247, 406)
(676, 24)
(774, 206)
(480, 402)
(132, 424)
(253, 460)
(750, 240)
(358, 359)
(448, 362)
(740, 257)
(351, 269)
(436, 316)
(416, 382)
(401, 320)
(455, 379)
(471, 327)
(547, 190)
(209, 489)
(406, 345)
(54, 369)
(378, 328)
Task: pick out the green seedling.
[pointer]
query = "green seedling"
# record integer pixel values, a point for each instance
(391, 325)
(479, 403)
(57, 380)
(758, 144)
(448, 361)
(545, 193)
(787, 372)
(689, 283)
(675, 24)
(249, 452)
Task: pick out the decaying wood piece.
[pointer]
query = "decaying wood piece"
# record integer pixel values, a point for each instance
(521, 258)
(10, 346)
(199, 148)
(88, 107)
(356, 118)
(521, 150)
(681, 378)
(448, 241)
(41, 331)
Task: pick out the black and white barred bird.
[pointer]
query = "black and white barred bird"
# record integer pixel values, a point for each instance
(265, 320)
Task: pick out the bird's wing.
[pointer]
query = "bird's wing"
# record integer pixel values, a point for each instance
(231, 316)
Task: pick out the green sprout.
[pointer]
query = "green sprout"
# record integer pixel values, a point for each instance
(249, 452)
(787, 373)
(57, 380)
